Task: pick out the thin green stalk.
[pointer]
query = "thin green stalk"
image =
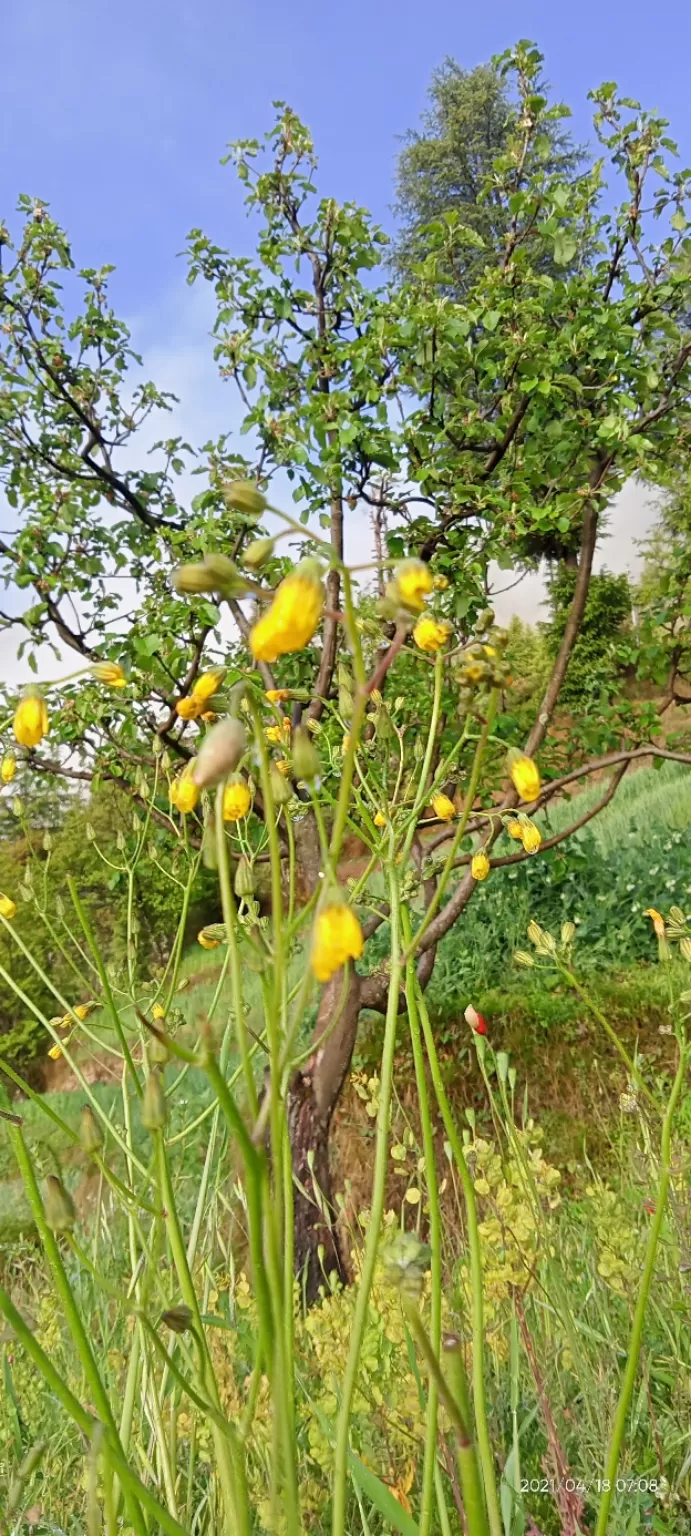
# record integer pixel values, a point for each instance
(87, 1424)
(105, 981)
(229, 1458)
(474, 1245)
(427, 1504)
(636, 1338)
(230, 921)
(97, 1389)
(468, 1469)
(340, 1476)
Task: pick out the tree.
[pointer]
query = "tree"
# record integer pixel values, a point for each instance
(475, 423)
(446, 169)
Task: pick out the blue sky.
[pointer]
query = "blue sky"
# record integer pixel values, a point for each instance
(118, 115)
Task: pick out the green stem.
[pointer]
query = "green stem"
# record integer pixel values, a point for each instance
(98, 1392)
(105, 982)
(426, 1510)
(230, 921)
(468, 1470)
(340, 1476)
(475, 1248)
(229, 1458)
(87, 1424)
(635, 1341)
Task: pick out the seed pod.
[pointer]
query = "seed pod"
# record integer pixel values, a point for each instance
(179, 1319)
(59, 1206)
(157, 1051)
(244, 496)
(154, 1110)
(306, 761)
(220, 752)
(257, 553)
(281, 788)
(90, 1134)
(244, 879)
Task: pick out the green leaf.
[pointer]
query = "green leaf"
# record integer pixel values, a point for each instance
(382, 1498)
(565, 247)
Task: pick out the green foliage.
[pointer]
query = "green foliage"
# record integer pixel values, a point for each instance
(445, 168)
(595, 667)
(88, 846)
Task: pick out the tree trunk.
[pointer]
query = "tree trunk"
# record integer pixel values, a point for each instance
(312, 1098)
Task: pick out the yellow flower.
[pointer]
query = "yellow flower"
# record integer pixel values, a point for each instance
(208, 684)
(443, 807)
(8, 907)
(380, 819)
(515, 829)
(55, 1052)
(431, 634)
(8, 768)
(290, 622)
(189, 709)
(283, 767)
(480, 866)
(31, 720)
(657, 921)
(158, 1011)
(345, 744)
(440, 583)
(109, 672)
(236, 800)
(525, 776)
(83, 1010)
(184, 793)
(414, 582)
(207, 940)
(531, 837)
(274, 734)
(277, 695)
(337, 937)
(207, 716)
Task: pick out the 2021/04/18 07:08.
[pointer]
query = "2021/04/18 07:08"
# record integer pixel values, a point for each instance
(589, 1485)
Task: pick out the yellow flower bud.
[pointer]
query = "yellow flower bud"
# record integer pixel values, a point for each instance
(336, 938)
(515, 830)
(294, 615)
(441, 583)
(8, 907)
(431, 634)
(208, 684)
(236, 799)
(274, 734)
(55, 1052)
(215, 574)
(280, 788)
(443, 807)
(8, 768)
(210, 937)
(531, 837)
(184, 792)
(413, 582)
(277, 695)
(189, 708)
(480, 866)
(158, 1011)
(525, 775)
(110, 673)
(380, 819)
(31, 720)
